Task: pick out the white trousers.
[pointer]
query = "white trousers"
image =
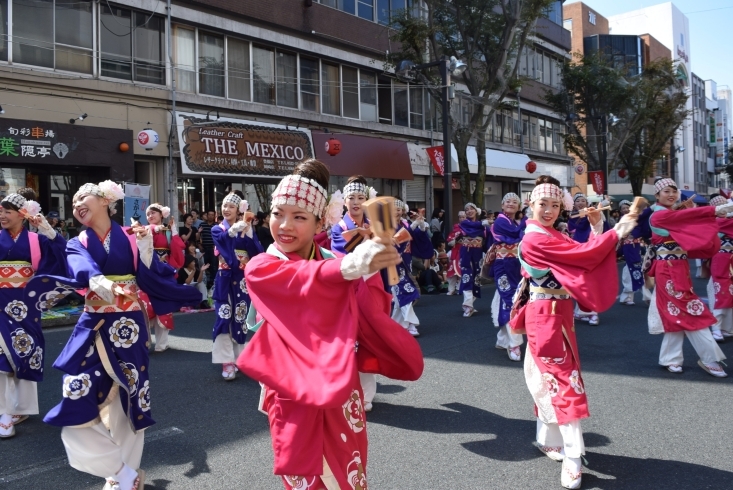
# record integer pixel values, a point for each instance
(452, 284)
(567, 436)
(17, 396)
(723, 320)
(161, 335)
(468, 299)
(506, 339)
(404, 315)
(101, 451)
(368, 386)
(702, 341)
(225, 349)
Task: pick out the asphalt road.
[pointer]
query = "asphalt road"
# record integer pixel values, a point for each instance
(466, 424)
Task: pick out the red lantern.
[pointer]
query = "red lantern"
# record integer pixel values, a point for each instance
(622, 173)
(124, 147)
(530, 167)
(333, 147)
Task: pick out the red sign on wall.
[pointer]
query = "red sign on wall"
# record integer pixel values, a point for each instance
(596, 179)
(437, 157)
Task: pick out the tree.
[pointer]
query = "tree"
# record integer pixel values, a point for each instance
(659, 101)
(643, 111)
(594, 90)
(487, 35)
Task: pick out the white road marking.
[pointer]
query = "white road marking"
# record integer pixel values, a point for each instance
(58, 463)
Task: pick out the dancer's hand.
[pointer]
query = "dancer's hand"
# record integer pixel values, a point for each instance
(389, 256)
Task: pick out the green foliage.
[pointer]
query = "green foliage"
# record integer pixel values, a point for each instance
(647, 110)
(487, 35)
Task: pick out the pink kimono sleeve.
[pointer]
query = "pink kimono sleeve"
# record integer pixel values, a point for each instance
(695, 229)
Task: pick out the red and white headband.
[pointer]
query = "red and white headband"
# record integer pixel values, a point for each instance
(232, 198)
(551, 191)
(295, 190)
(662, 183)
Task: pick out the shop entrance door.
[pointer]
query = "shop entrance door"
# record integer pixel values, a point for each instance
(57, 203)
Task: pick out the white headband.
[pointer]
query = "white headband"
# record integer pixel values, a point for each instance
(578, 195)
(662, 183)
(508, 196)
(106, 190)
(165, 211)
(232, 198)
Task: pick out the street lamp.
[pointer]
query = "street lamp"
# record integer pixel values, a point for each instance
(406, 72)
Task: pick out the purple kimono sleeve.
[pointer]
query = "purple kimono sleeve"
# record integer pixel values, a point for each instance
(159, 283)
(421, 246)
(53, 256)
(338, 242)
(507, 231)
(224, 244)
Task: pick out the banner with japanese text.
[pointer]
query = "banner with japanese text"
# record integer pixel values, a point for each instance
(437, 158)
(596, 179)
(137, 200)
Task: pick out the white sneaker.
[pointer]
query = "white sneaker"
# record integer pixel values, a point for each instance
(368, 407)
(674, 368)
(7, 428)
(412, 330)
(713, 369)
(726, 334)
(515, 353)
(572, 473)
(718, 336)
(593, 320)
(582, 318)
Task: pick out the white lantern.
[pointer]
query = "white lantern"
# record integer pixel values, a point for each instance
(148, 139)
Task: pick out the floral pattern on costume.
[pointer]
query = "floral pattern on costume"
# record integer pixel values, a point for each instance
(298, 482)
(553, 388)
(76, 387)
(243, 286)
(17, 310)
(354, 412)
(669, 286)
(225, 312)
(240, 312)
(465, 278)
(409, 288)
(695, 307)
(672, 309)
(23, 343)
(355, 473)
(36, 361)
(730, 289)
(132, 376)
(576, 383)
(503, 283)
(143, 398)
(124, 332)
(716, 287)
(636, 274)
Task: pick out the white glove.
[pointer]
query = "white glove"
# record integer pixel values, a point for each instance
(356, 264)
(624, 226)
(102, 287)
(174, 228)
(237, 228)
(419, 223)
(157, 228)
(528, 212)
(724, 208)
(486, 223)
(145, 247)
(45, 229)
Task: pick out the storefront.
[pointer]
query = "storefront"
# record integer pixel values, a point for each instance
(56, 159)
(230, 154)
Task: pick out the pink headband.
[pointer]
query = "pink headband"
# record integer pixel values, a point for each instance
(303, 192)
(662, 183)
(547, 190)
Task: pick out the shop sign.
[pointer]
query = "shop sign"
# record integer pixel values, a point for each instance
(32, 141)
(238, 148)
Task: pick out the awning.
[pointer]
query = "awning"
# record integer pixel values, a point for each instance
(698, 199)
(376, 158)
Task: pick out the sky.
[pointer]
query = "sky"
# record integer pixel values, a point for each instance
(711, 32)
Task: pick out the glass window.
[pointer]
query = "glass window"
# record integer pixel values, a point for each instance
(543, 135)
(184, 57)
(238, 74)
(416, 107)
(330, 89)
(211, 64)
(508, 135)
(533, 133)
(546, 71)
(517, 129)
(3, 31)
(557, 140)
(522, 70)
(383, 12)
(384, 93)
(368, 96)
(149, 45)
(557, 74)
(287, 80)
(330, 3)
(309, 84)
(74, 31)
(348, 6)
(116, 42)
(263, 71)
(401, 112)
(350, 83)
(366, 9)
(498, 126)
(525, 131)
(397, 6)
(538, 66)
(33, 32)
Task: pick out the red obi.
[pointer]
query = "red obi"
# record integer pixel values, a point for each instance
(93, 303)
(15, 274)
